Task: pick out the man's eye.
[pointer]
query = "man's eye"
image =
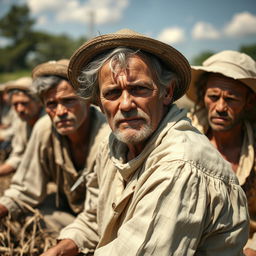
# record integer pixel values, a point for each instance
(229, 99)
(51, 104)
(112, 94)
(69, 101)
(139, 90)
(213, 97)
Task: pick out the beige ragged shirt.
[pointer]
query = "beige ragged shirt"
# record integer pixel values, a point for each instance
(246, 171)
(22, 133)
(47, 158)
(178, 197)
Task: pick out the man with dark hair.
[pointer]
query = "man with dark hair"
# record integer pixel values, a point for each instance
(163, 189)
(28, 108)
(62, 150)
(224, 91)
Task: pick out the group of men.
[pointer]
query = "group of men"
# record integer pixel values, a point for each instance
(134, 173)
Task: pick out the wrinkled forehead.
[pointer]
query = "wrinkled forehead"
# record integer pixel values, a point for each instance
(64, 88)
(132, 67)
(221, 82)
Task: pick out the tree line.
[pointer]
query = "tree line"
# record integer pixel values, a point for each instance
(28, 47)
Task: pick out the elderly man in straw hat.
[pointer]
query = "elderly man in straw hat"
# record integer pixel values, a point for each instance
(224, 91)
(62, 149)
(28, 108)
(159, 194)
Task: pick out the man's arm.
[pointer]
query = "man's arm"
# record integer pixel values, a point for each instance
(6, 169)
(29, 181)
(249, 252)
(65, 247)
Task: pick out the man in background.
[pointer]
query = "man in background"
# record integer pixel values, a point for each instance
(223, 89)
(29, 109)
(62, 150)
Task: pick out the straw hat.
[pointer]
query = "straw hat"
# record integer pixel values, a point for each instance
(23, 83)
(128, 38)
(232, 64)
(2, 86)
(53, 67)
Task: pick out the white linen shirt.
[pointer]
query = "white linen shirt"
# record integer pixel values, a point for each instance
(177, 197)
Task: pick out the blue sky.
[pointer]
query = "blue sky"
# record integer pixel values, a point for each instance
(191, 26)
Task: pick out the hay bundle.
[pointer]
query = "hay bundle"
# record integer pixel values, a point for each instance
(25, 237)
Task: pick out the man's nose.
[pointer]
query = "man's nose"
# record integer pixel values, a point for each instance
(126, 101)
(221, 105)
(61, 110)
(20, 108)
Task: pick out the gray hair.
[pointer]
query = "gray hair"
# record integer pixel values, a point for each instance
(44, 83)
(89, 76)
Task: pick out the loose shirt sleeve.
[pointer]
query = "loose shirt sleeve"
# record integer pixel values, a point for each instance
(19, 143)
(29, 181)
(185, 212)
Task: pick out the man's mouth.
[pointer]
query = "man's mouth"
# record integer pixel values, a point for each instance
(63, 122)
(131, 120)
(219, 119)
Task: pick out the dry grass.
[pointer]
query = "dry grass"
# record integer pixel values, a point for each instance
(26, 237)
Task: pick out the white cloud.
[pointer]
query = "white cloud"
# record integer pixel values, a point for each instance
(40, 6)
(172, 35)
(203, 30)
(241, 24)
(104, 11)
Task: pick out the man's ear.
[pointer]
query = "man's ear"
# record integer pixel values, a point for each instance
(168, 93)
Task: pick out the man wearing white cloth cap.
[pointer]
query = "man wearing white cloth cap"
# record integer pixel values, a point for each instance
(224, 91)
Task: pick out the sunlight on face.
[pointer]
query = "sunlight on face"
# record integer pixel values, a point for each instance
(65, 109)
(225, 99)
(131, 101)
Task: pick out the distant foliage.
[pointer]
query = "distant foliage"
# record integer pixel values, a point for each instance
(249, 49)
(199, 59)
(29, 47)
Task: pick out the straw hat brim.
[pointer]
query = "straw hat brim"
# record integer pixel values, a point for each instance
(170, 56)
(56, 68)
(198, 71)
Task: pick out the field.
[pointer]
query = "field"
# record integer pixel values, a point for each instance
(25, 237)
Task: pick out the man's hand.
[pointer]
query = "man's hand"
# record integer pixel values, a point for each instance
(249, 252)
(65, 247)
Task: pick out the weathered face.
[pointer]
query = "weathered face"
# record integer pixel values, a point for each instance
(131, 100)
(26, 108)
(66, 110)
(226, 102)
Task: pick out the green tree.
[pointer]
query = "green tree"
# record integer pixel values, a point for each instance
(249, 49)
(29, 47)
(199, 59)
(16, 24)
